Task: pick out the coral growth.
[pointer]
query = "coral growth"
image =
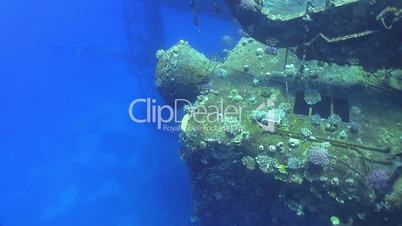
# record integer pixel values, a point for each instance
(315, 120)
(232, 126)
(334, 120)
(295, 163)
(248, 162)
(318, 155)
(266, 163)
(306, 133)
(275, 115)
(312, 97)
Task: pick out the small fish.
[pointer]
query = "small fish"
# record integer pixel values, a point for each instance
(270, 50)
(217, 9)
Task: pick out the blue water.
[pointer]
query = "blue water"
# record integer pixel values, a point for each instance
(69, 154)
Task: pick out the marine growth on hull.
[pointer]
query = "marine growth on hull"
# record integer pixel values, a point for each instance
(272, 138)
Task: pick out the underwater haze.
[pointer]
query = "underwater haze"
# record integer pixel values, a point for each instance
(69, 153)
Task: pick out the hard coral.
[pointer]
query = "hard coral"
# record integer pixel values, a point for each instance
(334, 120)
(266, 163)
(232, 126)
(248, 162)
(315, 119)
(295, 163)
(312, 97)
(318, 155)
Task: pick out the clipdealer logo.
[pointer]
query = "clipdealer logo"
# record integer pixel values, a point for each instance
(156, 114)
(164, 115)
(268, 115)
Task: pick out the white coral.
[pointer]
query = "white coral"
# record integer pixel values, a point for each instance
(312, 97)
(266, 163)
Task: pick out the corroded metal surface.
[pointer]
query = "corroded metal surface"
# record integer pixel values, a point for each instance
(341, 32)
